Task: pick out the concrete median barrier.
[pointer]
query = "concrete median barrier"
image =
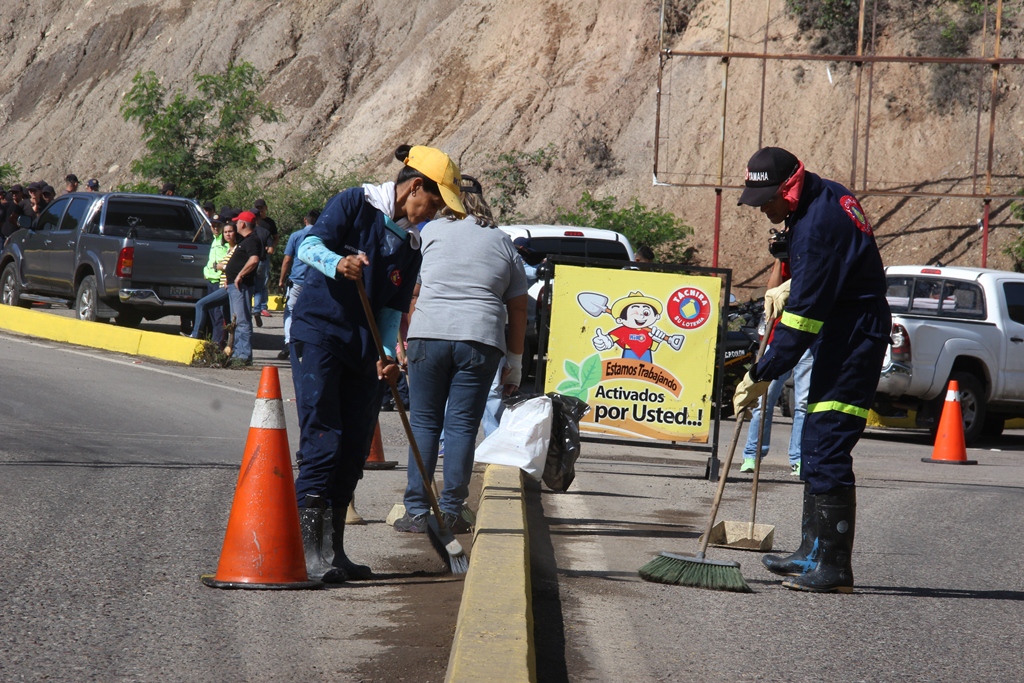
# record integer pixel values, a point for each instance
(494, 635)
(174, 349)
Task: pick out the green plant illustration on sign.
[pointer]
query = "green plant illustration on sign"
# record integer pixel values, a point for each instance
(582, 377)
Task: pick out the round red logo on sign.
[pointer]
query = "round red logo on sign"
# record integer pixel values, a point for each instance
(688, 308)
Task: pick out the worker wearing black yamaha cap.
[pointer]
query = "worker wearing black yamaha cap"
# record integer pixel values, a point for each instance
(837, 308)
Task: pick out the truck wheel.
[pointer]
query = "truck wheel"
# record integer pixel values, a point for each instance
(994, 425)
(972, 405)
(10, 290)
(128, 318)
(85, 300)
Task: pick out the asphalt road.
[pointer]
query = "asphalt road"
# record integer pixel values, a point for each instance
(939, 597)
(116, 481)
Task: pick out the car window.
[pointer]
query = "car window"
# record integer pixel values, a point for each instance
(50, 217)
(935, 296)
(75, 214)
(585, 248)
(1014, 292)
(150, 220)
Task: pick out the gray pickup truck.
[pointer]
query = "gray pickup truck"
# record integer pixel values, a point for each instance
(110, 256)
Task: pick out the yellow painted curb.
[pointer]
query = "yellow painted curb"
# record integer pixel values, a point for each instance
(494, 635)
(275, 303)
(167, 347)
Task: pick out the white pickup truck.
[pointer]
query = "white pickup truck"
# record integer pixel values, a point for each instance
(952, 323)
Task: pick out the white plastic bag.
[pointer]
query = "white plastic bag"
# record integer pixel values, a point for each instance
(521, 439)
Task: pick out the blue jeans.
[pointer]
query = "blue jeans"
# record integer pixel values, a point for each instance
(260, 294)
(242, 314)
(460, 374)
(289, 303)
(494, 407)
(211, 304)
(801, 382)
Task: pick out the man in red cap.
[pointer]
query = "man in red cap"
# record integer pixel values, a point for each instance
(837, 308)
(240, 272)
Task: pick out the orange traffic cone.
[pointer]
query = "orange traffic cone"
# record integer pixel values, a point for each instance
(376, 460)
(263, 543)
(950, 448)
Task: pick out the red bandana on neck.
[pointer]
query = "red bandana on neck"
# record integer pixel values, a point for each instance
(792, 187)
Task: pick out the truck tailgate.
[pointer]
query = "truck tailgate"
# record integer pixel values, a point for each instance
(173, 269)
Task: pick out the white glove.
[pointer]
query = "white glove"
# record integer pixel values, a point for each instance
(602, 341)
(676, 341)
(513, 369)
(747, 393)
(775, 300)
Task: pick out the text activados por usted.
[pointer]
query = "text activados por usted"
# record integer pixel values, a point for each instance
(641, 412)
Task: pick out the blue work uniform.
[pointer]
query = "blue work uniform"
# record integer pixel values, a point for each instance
(340, 394)
(837, 308)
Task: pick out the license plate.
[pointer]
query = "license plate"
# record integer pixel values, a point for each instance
(181, 291)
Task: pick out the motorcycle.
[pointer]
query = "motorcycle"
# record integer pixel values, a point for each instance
(746, 325)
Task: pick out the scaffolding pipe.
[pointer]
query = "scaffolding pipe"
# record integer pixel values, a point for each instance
(871, 89)
(991, 130)
(764, 69)
(856, 97)
(721, 133)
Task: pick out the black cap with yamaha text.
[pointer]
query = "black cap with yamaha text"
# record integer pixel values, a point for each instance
(766, 171)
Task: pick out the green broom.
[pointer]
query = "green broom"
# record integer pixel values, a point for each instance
(696, 570)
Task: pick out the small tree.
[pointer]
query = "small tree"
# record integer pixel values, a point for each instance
(661, 230)
(509, 179)
(192, 141)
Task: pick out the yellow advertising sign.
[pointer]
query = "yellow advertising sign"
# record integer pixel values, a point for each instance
(639, 347)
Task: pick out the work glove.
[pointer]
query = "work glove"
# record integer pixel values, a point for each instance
(602, 341)
(513, 372)
(747, 393)
(775, 300)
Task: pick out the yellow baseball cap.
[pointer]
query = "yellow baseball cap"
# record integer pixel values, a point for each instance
(439, 167)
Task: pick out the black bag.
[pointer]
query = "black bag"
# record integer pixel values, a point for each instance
(564, 448)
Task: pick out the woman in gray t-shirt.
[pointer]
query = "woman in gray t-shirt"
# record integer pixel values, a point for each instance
(470, 278)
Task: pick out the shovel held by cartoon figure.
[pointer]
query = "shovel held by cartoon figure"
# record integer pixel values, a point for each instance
(593, 303)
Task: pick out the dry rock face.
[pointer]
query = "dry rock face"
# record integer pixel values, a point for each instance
(477, 78)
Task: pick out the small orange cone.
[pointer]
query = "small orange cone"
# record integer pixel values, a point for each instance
(376, 460)
(263, 542)
(950, 448)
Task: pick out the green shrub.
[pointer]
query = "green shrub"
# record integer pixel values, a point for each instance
(508, 180)
(661, 230)
(193, 141)
(9, 173)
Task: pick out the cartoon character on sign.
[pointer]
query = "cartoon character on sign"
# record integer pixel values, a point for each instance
(636, 315)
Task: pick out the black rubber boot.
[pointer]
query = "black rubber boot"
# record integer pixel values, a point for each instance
(802, 561)
(343, 569)
(311, 521)
(836, 513)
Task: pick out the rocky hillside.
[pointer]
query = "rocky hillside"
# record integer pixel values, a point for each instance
(477, 78)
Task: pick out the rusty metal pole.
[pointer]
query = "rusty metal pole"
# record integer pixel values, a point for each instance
(721, 134)
(991, 131)
(764, 69)
(662, 58)
(981, 92)
(856, 100)
(871, 89)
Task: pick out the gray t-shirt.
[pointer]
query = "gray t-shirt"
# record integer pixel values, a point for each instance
(468, 274)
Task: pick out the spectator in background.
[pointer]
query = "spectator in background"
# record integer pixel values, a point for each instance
(48, 194)
(240, 275)
(169, 189)
(644, 254)
(71, 181)
(17, 194)
(209, 209)
(293, 274)
(10, 224)
(457, 339)
(267, 229)
(5, 199)
(29, 204)
(92, 185)
(216, 301)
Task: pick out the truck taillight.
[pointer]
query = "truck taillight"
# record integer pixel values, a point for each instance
(124, 262)
(900, 343)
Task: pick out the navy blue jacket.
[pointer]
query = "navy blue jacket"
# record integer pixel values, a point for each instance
(835, 267)
(328, 312)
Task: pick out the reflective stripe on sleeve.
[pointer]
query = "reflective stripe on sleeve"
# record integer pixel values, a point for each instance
(798, 322)
(839, 407)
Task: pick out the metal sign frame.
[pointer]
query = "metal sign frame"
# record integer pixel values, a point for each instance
(544, 332)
